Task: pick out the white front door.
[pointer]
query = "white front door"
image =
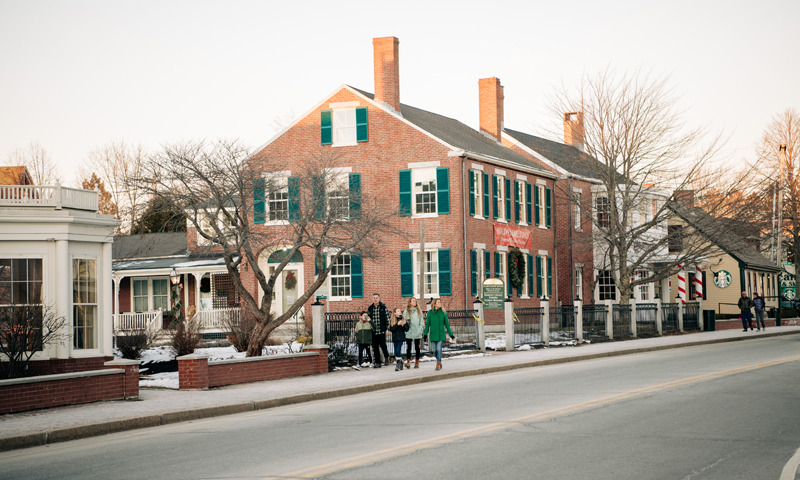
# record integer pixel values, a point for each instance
(288, 288)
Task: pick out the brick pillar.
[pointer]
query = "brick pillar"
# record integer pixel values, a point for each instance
(130, 383)
(322, 361)
(193, 372)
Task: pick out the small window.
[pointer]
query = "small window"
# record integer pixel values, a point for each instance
(340, 277)
(223, 223)
(478, 196)
(675, 238)
(431, 280)
(337, 195)
(605, 283)
(277, 199)
(501, 198)
(522, 210)
(344, 126)
(424, 190)
(603, 209)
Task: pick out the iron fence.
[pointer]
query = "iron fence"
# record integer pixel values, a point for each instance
(646, 318)
(340, 335)
(528, 325)
(465, 329)
(594, 321)
(669, 317)
(691, 316)
(562, 323)
(621, 319)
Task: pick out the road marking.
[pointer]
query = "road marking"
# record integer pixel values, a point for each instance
(379, 455)
(790, 469)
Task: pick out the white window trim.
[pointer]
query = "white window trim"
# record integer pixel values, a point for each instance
(499, 173)
(477, 194)
(542, 205)
(279, 175)
(352, 104)
(479, 246)
(475, 166)
(523, 204)
(501, 197)
(415, 270)
(428, 246)
(502, 248)
(541, 182)
(43, 354)
(329, 279)
(422, 165)
(149, 291)
(85, 352)
(202, 241)
(521, 177)
(335, 141)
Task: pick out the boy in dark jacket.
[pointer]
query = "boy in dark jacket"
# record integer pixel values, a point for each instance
(398, 327)
(380, 321)
(363, 333)
(759, 305)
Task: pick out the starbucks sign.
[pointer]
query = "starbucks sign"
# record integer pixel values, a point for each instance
(723, 279)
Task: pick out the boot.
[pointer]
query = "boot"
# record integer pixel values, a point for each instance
(438, 366)
(408, 363)
(416, 363)
(398, 366)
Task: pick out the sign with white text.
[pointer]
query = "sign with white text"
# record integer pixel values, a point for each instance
(512, 236)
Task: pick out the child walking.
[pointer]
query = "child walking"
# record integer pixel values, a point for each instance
(416, 323)
(363, 329)
(398, 327)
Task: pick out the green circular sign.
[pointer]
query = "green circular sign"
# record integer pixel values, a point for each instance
(723, 279)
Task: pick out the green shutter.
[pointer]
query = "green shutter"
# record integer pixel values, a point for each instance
(326, 130)
(259, 212)
(496, 263)
(294, 199)
(473, 264)
(472, 174)
(547, 207)
(508, 199)
(516, 201)
(530, 274)
(494, 196)
(405, 193)
(362, 133)
(406, 273)
(485, 194)
(444, 272)
(536, 205)
(442, 190)
(356, 277)
(355, 195)
(487, 264)
(550, 276)
(528, 195)
(318, 189)
(538, 277)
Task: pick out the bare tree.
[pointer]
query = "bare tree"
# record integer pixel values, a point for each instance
(115, 163)
(222, 187)
(41, 166)
(25, 330)
(651, 166)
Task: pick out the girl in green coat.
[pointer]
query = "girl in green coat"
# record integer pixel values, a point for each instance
(436, 323)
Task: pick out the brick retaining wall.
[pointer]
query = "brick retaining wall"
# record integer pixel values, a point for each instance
(736, 324)
(195, 372)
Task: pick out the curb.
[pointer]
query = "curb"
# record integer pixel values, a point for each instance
(104, 428)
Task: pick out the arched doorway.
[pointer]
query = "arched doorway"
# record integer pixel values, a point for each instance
(290, 286)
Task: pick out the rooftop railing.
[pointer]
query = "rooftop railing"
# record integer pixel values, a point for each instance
(53, 196)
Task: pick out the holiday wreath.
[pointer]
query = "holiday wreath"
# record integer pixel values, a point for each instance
(291, 281)
(516, 267)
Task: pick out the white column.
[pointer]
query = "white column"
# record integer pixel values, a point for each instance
(634, 332)
(478, 307)
(659, 317)
(185, 292)
(680, 313)
(105, 329)
(197, 277)
(63, 287)
(610, 318)
(509, 316)
(545, 303)
(318, 323)
(117, 281)
(579, 320)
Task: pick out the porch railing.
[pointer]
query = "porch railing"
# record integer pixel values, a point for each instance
(217, 318)
(138, 321)
(49, 196)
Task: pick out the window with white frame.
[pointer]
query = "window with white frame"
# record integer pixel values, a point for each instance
(21, 293)
(542, 260)
(542, 205)
(424, 193)
(500, 268)
(501, 198)
(161, 294)
(277, 199)
(84, 303)
(222, 222)
(431, 280)
(576, 212)
(344, 126)
(522, 203)
(644, 289)
(141, 295)
(607, 287)
(603, 211)
(337, 197)
(150, 294)
(579, 282)
(340, 277)
(477, 179)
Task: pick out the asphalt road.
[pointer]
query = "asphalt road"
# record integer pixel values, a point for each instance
(725, 411)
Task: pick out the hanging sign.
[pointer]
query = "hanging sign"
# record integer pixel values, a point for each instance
(512, 236)
(723, 278)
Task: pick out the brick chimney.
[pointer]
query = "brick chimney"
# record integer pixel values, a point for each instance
(490, 106)
(387, 70)
(573, 129)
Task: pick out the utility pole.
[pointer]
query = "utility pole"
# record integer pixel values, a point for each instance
(422, 263)
(782, 161)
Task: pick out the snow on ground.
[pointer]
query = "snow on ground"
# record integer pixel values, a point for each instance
(160, 380)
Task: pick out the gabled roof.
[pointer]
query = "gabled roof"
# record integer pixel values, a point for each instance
(564, 156)
(15, 176)
(461, 136)
(149, 245)
(724, 238)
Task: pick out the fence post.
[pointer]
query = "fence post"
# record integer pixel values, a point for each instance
(318, 323)
(634, 333)
(610, 319)
(58, 195)
(680, 312)
(509, 315)
(545, 303)
(478, 307)
(659, 317)
(700, 312)
(579, 320)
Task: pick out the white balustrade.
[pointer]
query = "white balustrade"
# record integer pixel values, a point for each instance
(138, 321)
(49, 196)
(216, 318)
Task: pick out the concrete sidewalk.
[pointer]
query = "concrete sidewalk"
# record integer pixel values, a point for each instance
(160, 406)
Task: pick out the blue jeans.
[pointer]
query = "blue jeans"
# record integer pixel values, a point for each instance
(437, 350)
(760, 318)
(398, 347)
(747, 319)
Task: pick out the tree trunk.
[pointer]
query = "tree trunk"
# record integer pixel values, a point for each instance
(258, 339)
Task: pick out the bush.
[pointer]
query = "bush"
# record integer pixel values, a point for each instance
(186, 337)
(240, 330)
(131, 345)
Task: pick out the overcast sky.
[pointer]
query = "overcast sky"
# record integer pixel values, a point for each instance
(75, 75)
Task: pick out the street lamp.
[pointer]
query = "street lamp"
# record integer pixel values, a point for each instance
(174, 277)
(176, 298)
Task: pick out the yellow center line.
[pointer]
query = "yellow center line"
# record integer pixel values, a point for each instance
(372, 457)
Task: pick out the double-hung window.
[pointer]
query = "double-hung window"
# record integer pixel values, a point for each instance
(344, 125)
(340, 277)
(424, 190)
(521, 205)
(21, 301)
(603, 211)
(84, 303)
(277, 199)
(498, 197)
(337, 196)
(431, 278)
(220, 220)
(606, 286)
(476, 195)
(544, 276)
(437, 278)
(150, 294)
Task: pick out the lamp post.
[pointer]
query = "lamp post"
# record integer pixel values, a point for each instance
(175, 279)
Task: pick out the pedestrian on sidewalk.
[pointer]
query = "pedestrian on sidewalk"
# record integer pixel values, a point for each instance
(379, 314)
(398, 327)
(416, 323)
(759, 305)
(745, 304)
(436, 323)
(363, 330)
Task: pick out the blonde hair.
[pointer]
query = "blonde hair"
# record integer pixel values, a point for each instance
(408, 306)
(394, 317)
(433, 304)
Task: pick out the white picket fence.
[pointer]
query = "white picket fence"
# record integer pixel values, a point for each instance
(138, 321)
(215, 319)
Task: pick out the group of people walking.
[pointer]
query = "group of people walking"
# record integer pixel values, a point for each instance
(745, 304)
(409, 326)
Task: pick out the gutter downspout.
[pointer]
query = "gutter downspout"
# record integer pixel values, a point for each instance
(571, 226)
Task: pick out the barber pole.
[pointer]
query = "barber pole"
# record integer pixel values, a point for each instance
(682, 283)
(698, 281)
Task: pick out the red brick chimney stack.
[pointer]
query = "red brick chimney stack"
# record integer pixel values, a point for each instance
(490, 106)
(387, 70)
(573, 129)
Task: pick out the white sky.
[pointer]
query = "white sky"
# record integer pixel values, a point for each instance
(76, 75)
